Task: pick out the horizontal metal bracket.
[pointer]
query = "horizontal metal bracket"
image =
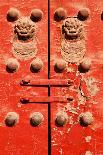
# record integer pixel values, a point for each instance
(47, 82)
(45, 99)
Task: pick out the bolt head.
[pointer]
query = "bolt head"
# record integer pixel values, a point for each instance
(86, 119)
(25, 81)
(60, 14)
(11, 119)
(24, 100)
(36, 119)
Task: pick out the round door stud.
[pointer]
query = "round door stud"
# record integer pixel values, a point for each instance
(12, 15)
(60, 66)
(83, 14)
(84, 66)
(86, 119)
(36, 119)
(60, 14)
(36, 15)
(11, 119)
(36, 65)
(61, 119)
(12, 65)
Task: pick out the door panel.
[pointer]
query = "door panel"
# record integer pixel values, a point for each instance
(51, 94)
(23, 58)
(83, 96)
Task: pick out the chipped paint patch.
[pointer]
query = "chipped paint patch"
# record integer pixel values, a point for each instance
(69, 107)
(61, 151)
(91, 86)
(88, 139)
(81, 97)
(88, 153)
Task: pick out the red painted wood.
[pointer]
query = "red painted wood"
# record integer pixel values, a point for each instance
(72, 138)
(86, 89)
(22, 139)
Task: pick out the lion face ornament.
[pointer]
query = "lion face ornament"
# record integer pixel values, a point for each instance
(72, 29)
(24, 29)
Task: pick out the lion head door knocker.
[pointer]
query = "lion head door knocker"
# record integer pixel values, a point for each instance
(24, 33)
(72, 35)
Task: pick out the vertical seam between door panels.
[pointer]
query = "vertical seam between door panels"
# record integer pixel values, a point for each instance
(49, 106)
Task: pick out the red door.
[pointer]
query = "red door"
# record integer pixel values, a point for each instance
(24, 44)
(76, 37)
(51, 71)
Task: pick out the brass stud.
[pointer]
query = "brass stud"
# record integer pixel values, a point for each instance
(61, 119)
(84, 66)
(60, 66)
(36, 119)
(36, 65)
(12, 15)
(36, 15)
(83, 14)
(11, 119)
(12, 65)
(86, 119)
(60, 14)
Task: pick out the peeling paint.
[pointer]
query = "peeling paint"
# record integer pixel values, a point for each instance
(88, 153)
(91, 86)
(88, 139)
